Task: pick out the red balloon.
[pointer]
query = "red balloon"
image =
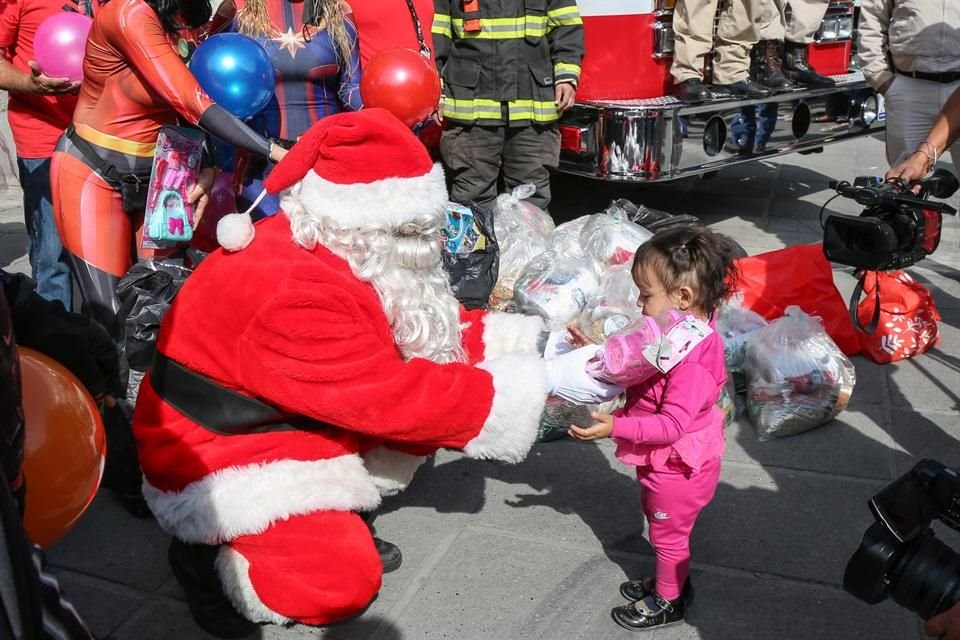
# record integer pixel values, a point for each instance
(403, 82)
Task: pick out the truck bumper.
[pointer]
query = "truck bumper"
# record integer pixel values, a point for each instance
(663, 139)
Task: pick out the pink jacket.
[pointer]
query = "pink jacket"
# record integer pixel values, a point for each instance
(675, 414)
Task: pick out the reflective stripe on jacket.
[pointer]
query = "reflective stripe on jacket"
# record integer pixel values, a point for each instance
(506, 71)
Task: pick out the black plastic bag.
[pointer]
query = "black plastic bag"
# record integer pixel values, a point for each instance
(655, 220)
(471, 254)
(145, 293)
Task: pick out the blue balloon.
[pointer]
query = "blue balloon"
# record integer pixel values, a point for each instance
(236, 72)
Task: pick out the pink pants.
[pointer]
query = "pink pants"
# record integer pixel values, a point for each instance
(672, 499)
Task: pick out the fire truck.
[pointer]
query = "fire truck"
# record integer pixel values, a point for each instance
(626, 125)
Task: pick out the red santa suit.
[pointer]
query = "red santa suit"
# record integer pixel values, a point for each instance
(298, 330)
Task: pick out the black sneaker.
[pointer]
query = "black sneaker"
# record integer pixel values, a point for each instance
(692, 90)
(390, 555)
(649, 613)
(634, 590)
(193, 566)
(744, 89)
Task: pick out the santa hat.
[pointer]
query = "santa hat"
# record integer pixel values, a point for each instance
(358, 169)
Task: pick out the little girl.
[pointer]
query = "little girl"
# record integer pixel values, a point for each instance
(671, 428)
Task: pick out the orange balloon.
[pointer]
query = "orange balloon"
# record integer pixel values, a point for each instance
(403, 82)
(65, 448)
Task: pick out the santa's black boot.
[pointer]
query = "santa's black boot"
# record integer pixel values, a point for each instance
(767, 67)
(796, 67)
(194, 567)
(390, 556)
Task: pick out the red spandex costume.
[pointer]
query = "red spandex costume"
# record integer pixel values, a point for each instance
(135, 81)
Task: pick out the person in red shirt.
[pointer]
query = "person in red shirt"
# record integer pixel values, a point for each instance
(389, 24)
(39, 110)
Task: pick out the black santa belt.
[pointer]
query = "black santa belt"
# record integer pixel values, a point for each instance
(216, 408)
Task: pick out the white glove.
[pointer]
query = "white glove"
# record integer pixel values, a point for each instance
(567, 378)
(557, 344)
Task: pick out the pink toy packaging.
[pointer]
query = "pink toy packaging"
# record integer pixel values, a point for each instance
(176, 167)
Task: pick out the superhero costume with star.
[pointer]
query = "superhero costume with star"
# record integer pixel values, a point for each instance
(135, 81)
(312, 83)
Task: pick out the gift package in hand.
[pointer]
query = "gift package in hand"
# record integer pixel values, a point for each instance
(798, 378)
(176, 167)
(555, 288)
(647, 347)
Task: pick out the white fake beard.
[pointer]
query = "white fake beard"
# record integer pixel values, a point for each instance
(404, 266)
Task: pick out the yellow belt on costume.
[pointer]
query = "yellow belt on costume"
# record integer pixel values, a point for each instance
(113, 143)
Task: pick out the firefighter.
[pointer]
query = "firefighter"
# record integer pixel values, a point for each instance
(693, 40)
(509, 69)
(786, 28)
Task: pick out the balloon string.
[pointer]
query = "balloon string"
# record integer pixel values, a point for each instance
(424, 49)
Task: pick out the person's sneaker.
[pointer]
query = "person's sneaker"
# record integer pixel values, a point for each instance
(649, 613)
(193, 566)
(744, 89)
(390, 555)
(634, 590)
(692, 90)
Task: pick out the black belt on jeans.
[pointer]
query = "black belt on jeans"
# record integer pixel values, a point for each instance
(216, 408)
(944, 78)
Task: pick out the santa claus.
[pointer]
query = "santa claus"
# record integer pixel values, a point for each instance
(301, 378)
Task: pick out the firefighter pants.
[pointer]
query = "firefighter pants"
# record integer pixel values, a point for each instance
(693, 39)
(791, 20)
(476, 156)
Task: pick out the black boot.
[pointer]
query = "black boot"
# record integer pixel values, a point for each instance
(744, 89)
(767, 67)
(796, 68)
(121, 472)
(193, 565)
(691, 90)
(649, 613)
(390, 556)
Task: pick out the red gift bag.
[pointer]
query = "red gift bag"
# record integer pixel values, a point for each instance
(802, 276)
(907, 322)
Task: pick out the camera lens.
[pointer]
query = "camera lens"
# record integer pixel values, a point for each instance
(922, 575)
(927, 577)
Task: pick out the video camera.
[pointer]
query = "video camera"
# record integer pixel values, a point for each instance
(899, 556)
(896, 228)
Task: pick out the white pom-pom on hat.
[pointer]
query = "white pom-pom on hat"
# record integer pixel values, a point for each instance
(235, 230)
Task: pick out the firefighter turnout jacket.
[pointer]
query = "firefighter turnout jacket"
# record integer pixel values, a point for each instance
(500, 59)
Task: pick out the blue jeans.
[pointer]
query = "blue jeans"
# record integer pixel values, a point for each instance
(47, 256)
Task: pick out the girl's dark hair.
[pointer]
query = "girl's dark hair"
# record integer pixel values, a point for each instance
(693, 256)
(181, 14)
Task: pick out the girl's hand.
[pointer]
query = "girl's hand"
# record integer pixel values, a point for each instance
(200, 193)
(578, 338)
(602, 428)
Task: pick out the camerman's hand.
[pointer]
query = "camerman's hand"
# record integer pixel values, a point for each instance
(913, 168)
(946, 625)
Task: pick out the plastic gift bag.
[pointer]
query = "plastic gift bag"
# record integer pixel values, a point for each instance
(176, 167)
(522, 231)
(145, 294)
(513, 209)
(907, 323)
(798, 378)
(565, 239)
(613, 306)
(735, 324)
(558, 414)
(470, 253)
(611, 238)
(555, 288)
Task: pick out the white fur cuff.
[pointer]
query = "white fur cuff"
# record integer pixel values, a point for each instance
(520, 391)
(505, 333)
(247, 499)
(391, 470)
